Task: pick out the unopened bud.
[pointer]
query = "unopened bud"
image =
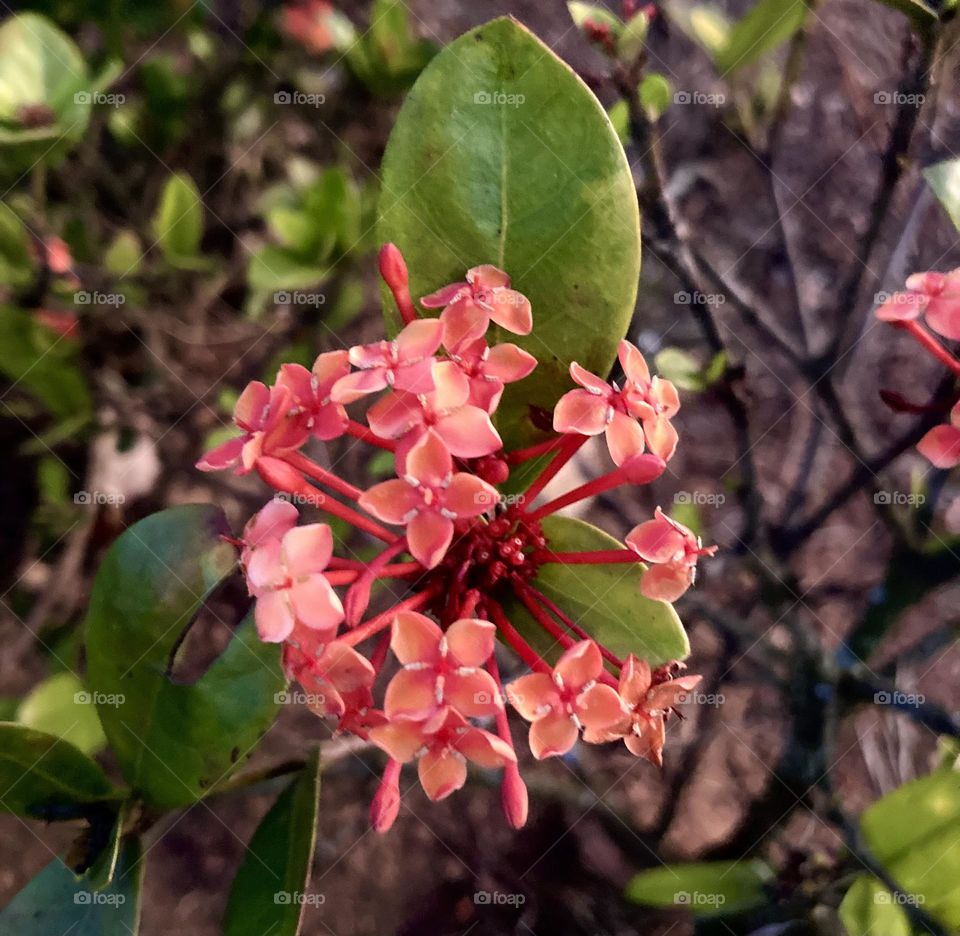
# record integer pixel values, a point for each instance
(279, 474)
(491, 469)
(386, 801)
(513, 796)
(393, 268)
(642, 469)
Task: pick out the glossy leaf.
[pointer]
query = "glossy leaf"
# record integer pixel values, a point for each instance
(604, 599)
(268, 894)
(768, 24)
(178, 222)
(55, 902)
(915, 833)
(502, 155)
(45, 777)
(61, 706)
(174, 742)
(704, 888)
(944, 179)
(869, 909)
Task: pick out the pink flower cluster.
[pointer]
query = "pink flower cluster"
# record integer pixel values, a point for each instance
(454, 552)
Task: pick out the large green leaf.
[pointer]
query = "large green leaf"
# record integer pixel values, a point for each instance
(61, 706)
(705, 888)
(56, 903)
(766, 26)
(915, 833)
(502, 155)
(270, 890)
(45, 777)
(174, 742)
(869, 909)
(603, 599)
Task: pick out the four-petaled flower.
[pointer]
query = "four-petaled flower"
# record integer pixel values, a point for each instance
(646, 705)
(310, 391)
(941, 445)
(406, 363)
(443, 751)
(441, 668)
(673, 551)
(429, 498)
(286, 577)
(598, 406)
(570, 697)
(468, 308)
(489, 368)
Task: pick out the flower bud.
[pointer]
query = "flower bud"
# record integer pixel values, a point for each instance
(513, 796)
(393, 267)
(642, 469)
(386, 801)
(279, 474)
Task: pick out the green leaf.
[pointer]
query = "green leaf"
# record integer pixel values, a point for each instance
(174, 742)
(766, 26)
(681, 368)
(273, 268)
(55, 902)
(16, 268)
(708, 27)
(604, 599)
(333, 205)
(102, 869)
(269, 891)
(582, 13)
(655, 94)
(869, 909)
(502, 155)
(706, 888)
(944, 179)
(61, 706)
(178, 222)
(915, 833)
(45, 777)
(124, 254)
(633, 38)
(41, 363)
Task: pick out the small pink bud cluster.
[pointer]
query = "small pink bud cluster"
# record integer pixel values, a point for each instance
(460, 553)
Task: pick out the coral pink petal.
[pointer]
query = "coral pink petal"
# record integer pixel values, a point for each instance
(635, 678)
(469, 433)
(416, 377)
(250, 409)
(429, 461)
(665, 393)
(411, 695)
(508, 363)
(307, 549)
(552, 735)
(901, 307)
(329, 422)
(633, 363)
(391, 501)
(625, 438)
(487, 276)
(530, 694)
(579, 664)
(271, 522)
(649, 743)
(943, 316)
(472, 694)
(941, 445)
(358, 384)
(590, 381)
(661, 437)
(394, 415)
(657, 540)
(470, 641)
(463, 321)
(273, 617)
(298, 380)
(485, 749)
(420, 339)
(665, 696)
(224, 455)
(485, 393)
(328, 368)
(264, 567)
(429, 535)
(444, 296)
(451, 386)
(511, 310)
(666, 582)
(581, 411)
(343, 666)
(316, 603)
(401, 740)
(415, 638)
(469, 496)
(441, 773)
(599, 707)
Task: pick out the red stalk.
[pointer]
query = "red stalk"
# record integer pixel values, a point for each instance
(587, 557)
(378, 623)
(519, 645)
(545, 621)
(358, 597)
(470, 604)
(359, 431)
(519, 456)
(567, 449)
(312, 470)
(930, 344)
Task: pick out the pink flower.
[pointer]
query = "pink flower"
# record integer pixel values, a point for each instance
(309, 22)
(569, 698)
(441, 668)
(647, 701)
(442, 752)
(673, 550)
(466, 430)
(618, 412)
(468, 308)
(335, 679)
(310, 391)
(429, 499)
(488, 369)
(941, 445)
(263, 415)
(286, 576)
(406, 363)
(942, 306)
(266, 528)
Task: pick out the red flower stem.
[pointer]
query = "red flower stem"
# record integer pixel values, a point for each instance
(378, 623)
(396, 570)
(519, 456)
(322, 501)
(930, 344)
(519, 645)
(568, 448)
(312, 470)
(469, 604)
(380, 652)
(359, 431)
(587, 557)
(503, 723)
(342, 576)
(393, 570)
(358, 597)
(605, 482)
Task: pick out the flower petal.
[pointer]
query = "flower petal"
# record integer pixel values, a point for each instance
(941, 446)
(315, 603)
(391, 501)
(487, 276)
(657, 540)
(249, 412)
(273, 616)
(394, 414)
(401, 739)
(666, 582)
(469, 433)
(444, 296)
(599, 707)
(551, 735)
(591, 382)
(441, 773)
(485, 749)
(415, 638)
(511, 310)
(633, 363)
(419, 339)
(451, 387)
(358, 384)
(472, 694)
(416, 377)
(579, 664)
(661, 436)
(224, 455)
(327, 369)
(307, 549)
(429, 536)
(625, 438)
(635, 680)
(271, 522)
(470, 641)
(344, 667)
(530, 695)
(411, 695)
(463, 321)
(508, 363)
(429, 462)
(664, 696)
(649, 742)
(581, 411)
